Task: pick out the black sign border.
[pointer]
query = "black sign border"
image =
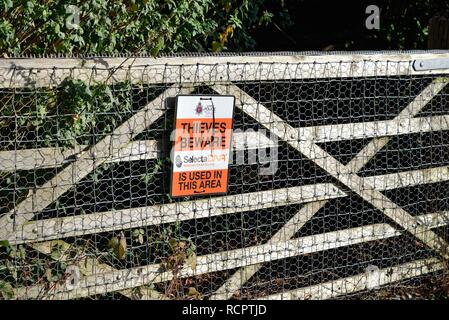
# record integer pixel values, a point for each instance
(174, 141)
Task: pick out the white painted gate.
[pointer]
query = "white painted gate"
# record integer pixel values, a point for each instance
(361, 152)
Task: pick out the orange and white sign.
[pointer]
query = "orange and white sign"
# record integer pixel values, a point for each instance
(202, 144)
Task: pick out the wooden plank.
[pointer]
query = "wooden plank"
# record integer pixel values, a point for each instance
(241, 276)
(41, 158)
(30, 159)
(408, 178)
(385, 182)
(139, 150)
(424, 97)
(49, 229)
(410, 111)
(373, 129)
(40, 198)
(367, 153)
(102, 282)
(438, 31)
(324, 160)
(50, 72)
(361, 282)
(371, 149)
(88, 266)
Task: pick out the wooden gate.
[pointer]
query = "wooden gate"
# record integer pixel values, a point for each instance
(358, 198)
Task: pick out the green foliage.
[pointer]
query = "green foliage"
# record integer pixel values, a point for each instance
(89, 109)
(158, 165)
(411, 30)
(109, 27)
(21, 268)
(239, 21)
(129, 26)
(75, 113)
(181, 252)
(6, 290)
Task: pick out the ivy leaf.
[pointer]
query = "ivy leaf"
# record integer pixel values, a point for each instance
(121, 248)
(158, 47)
(58, 249)
(7, 4)
(192, 292)
(118, 245)
(6, 290)
(12, 269)
(113, 242)
(4, 243)
(140, 239)
(138, 235)
(182, 245)
(173, 243)
(217, 46)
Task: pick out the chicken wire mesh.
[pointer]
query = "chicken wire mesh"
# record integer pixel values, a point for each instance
(338, 181)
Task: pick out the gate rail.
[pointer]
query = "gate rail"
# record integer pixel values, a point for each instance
(22, 225)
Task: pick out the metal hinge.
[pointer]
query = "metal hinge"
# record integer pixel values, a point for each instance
(431, 64)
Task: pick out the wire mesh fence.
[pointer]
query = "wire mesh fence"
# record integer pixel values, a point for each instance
(338, 178)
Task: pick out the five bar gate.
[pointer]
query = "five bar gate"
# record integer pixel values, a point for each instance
(338, 185)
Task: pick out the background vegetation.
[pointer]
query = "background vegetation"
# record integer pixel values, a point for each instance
(167, 26)
(128, 26)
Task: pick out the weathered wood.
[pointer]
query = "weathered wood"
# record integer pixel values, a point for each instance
(88, 265)
(49, 229)
(241, 276)
(102, 282)
(50, 72)
(403, 124)
(360, 130)
(29, 159)
(235, 282)
(324, 160)
(368, 187)
(383, 182)
(84, 164)
(361, 282)
(408, 178)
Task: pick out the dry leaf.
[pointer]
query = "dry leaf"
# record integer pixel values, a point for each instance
(191, 261)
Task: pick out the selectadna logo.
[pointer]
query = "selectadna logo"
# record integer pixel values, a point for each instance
(178, 161)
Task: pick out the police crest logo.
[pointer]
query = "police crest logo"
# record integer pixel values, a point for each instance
(199, 108)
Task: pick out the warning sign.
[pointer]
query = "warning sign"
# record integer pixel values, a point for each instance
(202, 144)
